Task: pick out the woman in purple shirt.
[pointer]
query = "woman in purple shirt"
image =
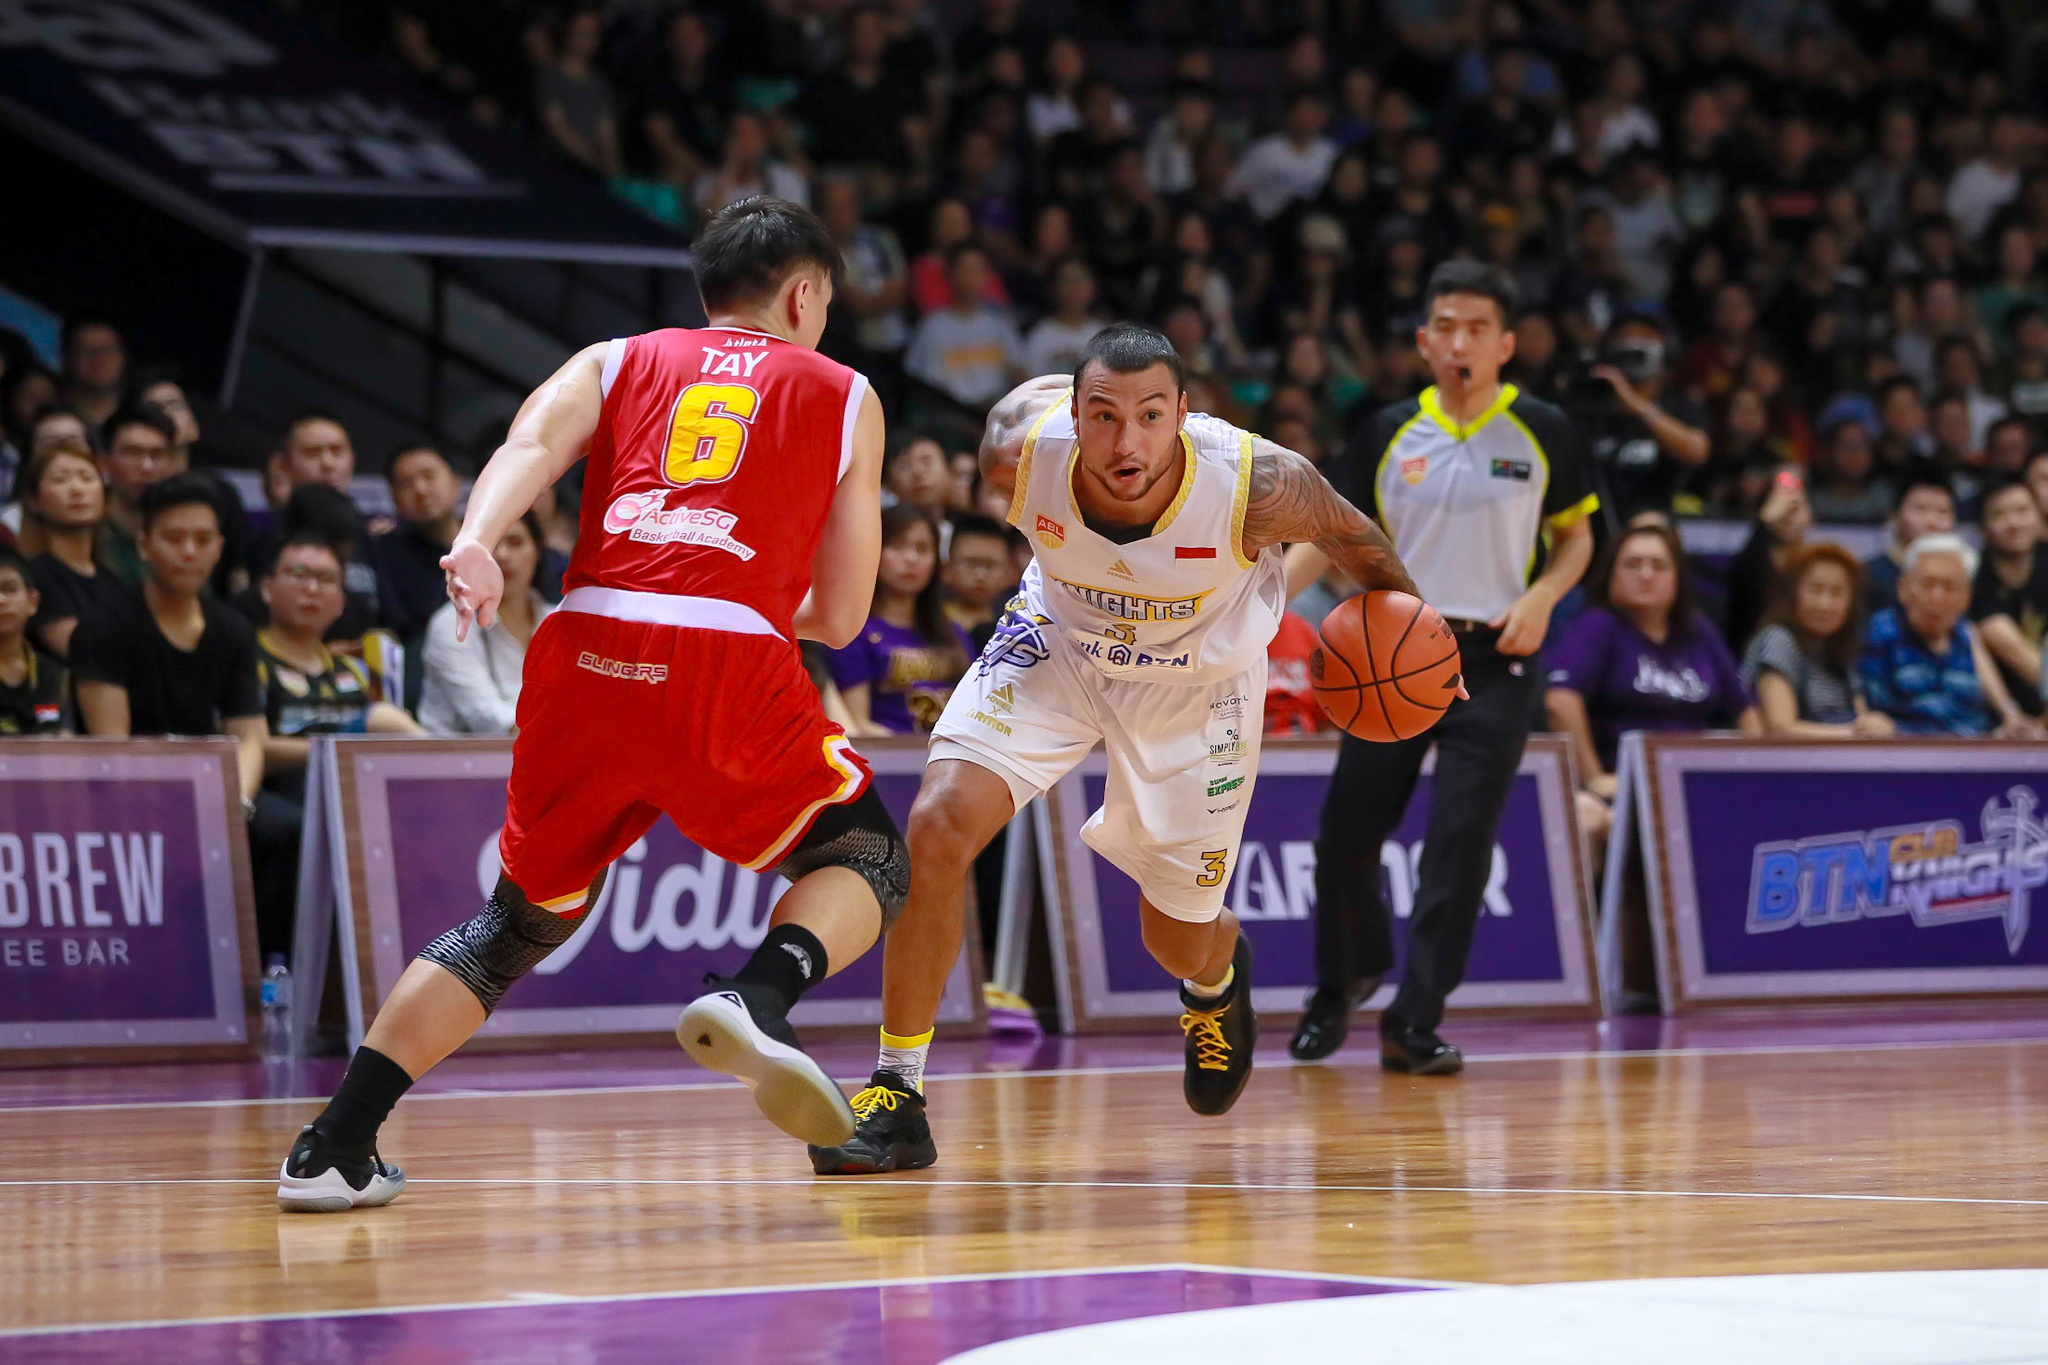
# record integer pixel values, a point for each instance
(1640, 658)
(900, 669)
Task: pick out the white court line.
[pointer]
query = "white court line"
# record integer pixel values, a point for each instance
(529, 1299)
(1282, 1063)
(1244, 1186)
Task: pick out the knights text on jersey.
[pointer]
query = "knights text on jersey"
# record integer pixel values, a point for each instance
(715, 461)
(1182, 605)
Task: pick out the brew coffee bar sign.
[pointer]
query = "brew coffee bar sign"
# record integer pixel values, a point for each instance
(125, 907)
(417, 824)
(1532, 949)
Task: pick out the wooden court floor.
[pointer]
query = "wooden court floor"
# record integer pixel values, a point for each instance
(1539, 1169)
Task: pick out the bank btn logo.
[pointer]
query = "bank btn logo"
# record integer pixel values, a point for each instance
(1928, 871)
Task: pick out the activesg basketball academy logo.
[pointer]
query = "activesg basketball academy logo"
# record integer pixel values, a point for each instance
(1928, 871)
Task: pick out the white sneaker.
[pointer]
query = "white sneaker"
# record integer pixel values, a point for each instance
(724, 1031)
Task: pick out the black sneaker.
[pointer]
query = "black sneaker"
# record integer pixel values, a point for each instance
(893, 1134)
(1326, 1020)
(1419, 1052)
(1220, 1035)
(744, 1031)
(319, 1177)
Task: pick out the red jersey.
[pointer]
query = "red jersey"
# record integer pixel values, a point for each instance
(715, 460)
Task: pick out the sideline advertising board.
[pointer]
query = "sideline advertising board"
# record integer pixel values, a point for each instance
(1810, 870)
(1533, 948)
(127, 915)
(414, 849)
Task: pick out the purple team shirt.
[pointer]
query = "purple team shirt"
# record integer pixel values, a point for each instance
(1690, 682)
(908, 679)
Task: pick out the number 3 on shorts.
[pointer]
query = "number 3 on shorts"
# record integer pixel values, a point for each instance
(1214, 866)
(707, 433)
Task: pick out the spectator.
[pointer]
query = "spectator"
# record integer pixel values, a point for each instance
(35, 688)
(1846, 485)
(2009, 599)
(411, 585)
(977, 576)
(165, 659)
(331, 516)
(307, 689)
(1924, 505)
(1290, 164)
(94, 362)
(1986, 184)
(1643, 441)
(1647, 231)
(316, 449)
(1924, 665)
(1078, 160)
(877, 279)
(2007, 446)
(1802, 664)
(2017, 284)
(1903, 438)
(1291, 705)
(856, 114)
(1781, 526)
(917, 472)
(1191, 273)
(931, 288)
(64, 504)
(1057, 339)
(1881, 180)
(749, 168)
(574, 99)
(1170, 150)
(1712, 366)
(2036, 477)
(162, 391)
(141, 445)
(1120, 227)
(472, 685)
(1592, 290)
(2026, 372)
(969, 351)
(899, 671)
(1056, 108)
(1416, 205)
(685, 112)
(25, 390)
(1959, 367)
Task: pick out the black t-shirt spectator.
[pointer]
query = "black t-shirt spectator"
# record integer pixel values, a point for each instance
(411, 585)
(1639, 473)
(2026, 604)
(171, 691)
(854, 124)
(41, 704)
(68, 594)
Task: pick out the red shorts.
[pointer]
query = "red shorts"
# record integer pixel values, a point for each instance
(621, 722)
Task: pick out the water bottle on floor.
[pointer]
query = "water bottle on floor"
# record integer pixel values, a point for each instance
(277, 1009)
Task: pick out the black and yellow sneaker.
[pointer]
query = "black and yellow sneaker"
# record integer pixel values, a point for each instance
(1220, 1034)
(892, 1134)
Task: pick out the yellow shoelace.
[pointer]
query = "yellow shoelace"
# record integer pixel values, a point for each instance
(1212, 1049)
(873, 1098)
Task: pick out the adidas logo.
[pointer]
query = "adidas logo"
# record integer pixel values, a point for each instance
(1123, 571)
(803, 959)
(1003, 699)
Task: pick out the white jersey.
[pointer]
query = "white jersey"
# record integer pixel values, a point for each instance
(1182, 605)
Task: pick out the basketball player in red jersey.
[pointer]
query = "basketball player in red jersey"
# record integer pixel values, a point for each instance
(731, 505)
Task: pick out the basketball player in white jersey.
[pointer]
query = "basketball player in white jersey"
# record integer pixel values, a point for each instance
(1142, 623)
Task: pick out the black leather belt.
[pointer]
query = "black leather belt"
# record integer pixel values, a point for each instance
(1464, 627)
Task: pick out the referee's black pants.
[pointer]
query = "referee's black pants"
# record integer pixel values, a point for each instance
(1479, 746)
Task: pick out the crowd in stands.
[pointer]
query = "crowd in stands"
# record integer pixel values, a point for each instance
(1781, 262)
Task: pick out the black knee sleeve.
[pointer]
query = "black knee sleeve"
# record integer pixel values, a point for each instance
(861, 836)
(506, 940)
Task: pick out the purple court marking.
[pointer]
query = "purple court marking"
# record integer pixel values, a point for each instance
(850, 1059)
(917, 1323)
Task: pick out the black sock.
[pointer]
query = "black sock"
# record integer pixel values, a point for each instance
(789, 961)
(372, 1085)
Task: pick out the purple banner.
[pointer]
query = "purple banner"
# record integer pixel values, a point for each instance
(1273, 890)
(1805, 872)
(118, 914)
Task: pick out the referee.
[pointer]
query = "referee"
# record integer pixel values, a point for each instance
(1485, 493)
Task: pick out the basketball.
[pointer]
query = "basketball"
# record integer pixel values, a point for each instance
(1385, 666)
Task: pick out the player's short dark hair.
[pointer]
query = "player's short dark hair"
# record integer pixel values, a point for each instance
(140, 415)
(973, 524)
(752, 245)
(1922, 475)
(179, 490)
(1472, 277)
(304, 538)
(1128, 348)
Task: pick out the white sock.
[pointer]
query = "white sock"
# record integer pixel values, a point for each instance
(1201, 992)
(903, 1057)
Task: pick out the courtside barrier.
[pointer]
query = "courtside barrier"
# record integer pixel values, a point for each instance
(1533, 951)
(412, 848)
(127, 917)
(1789, 871)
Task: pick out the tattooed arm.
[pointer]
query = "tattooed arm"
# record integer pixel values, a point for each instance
(1009, 421)
(1291, 503)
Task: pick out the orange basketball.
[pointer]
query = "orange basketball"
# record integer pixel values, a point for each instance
(1385, 666)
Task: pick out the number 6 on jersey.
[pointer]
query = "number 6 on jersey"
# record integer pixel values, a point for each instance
(707, 434)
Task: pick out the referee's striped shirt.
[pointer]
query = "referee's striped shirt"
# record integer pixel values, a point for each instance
(1470, 508)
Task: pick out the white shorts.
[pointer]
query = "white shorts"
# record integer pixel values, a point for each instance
(1182, 762)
